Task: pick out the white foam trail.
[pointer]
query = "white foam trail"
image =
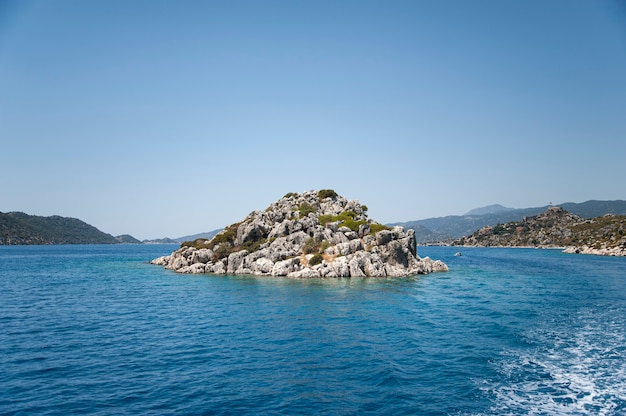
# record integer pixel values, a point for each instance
(577, 373)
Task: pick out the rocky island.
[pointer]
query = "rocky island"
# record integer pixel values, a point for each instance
(305, 235)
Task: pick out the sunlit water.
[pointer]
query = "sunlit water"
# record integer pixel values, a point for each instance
(97, 330)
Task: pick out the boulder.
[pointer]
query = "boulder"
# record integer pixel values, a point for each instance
(235, 260)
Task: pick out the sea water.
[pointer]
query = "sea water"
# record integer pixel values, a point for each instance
(97, 330)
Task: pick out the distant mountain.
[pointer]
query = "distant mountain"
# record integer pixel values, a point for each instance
(18, 228)
(208, 235)
(454, 226)
(593, 209)
(424, 234)
(127, 239)
(489, 209)
(164, 240)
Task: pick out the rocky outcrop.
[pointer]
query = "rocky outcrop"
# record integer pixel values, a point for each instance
(305, 235)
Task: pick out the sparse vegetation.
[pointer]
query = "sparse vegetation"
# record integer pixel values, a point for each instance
(347, 219)
(305, 209)
(326, 193)
(227, 236)
(222, 251)
(251, 245)
(223, 244)
(313, 246)
(290, 194)
(352, 224)
(376, 227)
(553, 228)
(198, 243)
(343, 217)
(316, 259)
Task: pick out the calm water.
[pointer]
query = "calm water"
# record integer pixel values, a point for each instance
(97, 330)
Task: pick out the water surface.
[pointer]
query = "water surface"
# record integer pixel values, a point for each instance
(97, 330)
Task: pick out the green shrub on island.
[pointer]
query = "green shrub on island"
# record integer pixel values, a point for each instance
(316, 259)
(198, 243)
(326, 193)
(227, 236)
(376, 227)
(305, 209)
(347, 219)
(290, 194)
(352, 224)
(221, 252)
(311, 246)
(251, 246)
(223, 244)
(344, 216)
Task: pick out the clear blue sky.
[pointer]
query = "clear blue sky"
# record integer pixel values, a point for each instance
(167, 118)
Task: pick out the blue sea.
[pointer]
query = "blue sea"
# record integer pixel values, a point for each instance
(97, 330)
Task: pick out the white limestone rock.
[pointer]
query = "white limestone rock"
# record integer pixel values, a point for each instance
(272, 242)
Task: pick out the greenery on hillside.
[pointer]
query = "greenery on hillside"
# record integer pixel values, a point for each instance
(17, 228)
(347, 219)
(605, 231)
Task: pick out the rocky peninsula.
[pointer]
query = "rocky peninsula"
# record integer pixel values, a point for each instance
(305, 235)
(556, 228)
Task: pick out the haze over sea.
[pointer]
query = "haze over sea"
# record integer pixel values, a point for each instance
(97, 330)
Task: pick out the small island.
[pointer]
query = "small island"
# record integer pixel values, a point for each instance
(305, 235)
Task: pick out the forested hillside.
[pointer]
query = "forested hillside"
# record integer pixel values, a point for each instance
(18, 228)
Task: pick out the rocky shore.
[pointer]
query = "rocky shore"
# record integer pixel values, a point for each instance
(305, 235)
(602, 251)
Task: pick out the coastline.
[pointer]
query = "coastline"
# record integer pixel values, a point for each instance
(606, 252)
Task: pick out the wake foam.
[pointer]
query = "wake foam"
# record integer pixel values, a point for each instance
(573, 369)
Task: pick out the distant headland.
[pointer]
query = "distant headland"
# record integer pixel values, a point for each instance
(448, 228)
(305, 235)
(556, 228)
(18, 228)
